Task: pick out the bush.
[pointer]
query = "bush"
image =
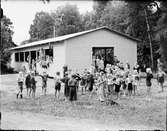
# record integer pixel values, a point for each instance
(5, 69)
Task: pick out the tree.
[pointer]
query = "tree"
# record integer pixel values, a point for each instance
(67, 20)
(160, 32)
(114, 15)
(6, 42)
(98, 9)
(42, 26)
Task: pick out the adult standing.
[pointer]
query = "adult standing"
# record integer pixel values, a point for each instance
(72, 83)
(66, 87)
(149, 76)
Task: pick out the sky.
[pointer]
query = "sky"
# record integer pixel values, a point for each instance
(22, 13)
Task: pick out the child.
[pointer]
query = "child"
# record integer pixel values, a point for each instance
(135, 81)
(160, 78)
(129, 82)
(109, 83)
(149, 76)
(57, 85)
(124, 85)
(33, 84)
(28, 83)
(100, 84)
(44, 82)
(117, 85)
(82, 84)
(20, 84)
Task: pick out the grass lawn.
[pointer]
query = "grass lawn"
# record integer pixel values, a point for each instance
(130, 111)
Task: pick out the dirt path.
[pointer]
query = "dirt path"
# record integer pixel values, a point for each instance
(37, 121)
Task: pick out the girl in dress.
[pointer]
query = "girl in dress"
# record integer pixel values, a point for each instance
(100, 84)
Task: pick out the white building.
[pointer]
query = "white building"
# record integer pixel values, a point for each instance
(77, 50)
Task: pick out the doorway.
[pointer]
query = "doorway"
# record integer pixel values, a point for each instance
(105, 53)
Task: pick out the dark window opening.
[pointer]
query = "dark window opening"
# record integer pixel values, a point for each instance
(33, 55)
(21, 56)
(105, 53)
(49, 52)
(17, 57)
(26, 56)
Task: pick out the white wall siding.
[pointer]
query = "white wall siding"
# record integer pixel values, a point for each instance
(12, 62)
(59, 58)
(79, 49)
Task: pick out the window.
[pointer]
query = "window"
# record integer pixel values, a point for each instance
(33, 55)
(49, 52)
(17, 57)
(26, 56)
(21, 56)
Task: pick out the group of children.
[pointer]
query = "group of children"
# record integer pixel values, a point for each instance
(30, 83)
(113, 81)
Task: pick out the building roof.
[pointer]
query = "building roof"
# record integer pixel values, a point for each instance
(69, 36)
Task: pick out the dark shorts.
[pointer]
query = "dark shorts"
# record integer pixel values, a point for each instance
(58, 86)
(130, 87)
(148, 83)
(161, 80)
(33, 87)
(124, 86)
(110, 88)
(20, 84)
(117, 88)
(44, 85)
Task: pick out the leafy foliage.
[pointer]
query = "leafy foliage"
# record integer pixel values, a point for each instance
(42, 26)
(67, 20)
(6, 42)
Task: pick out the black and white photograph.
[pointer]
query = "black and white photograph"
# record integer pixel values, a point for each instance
(83, 65)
